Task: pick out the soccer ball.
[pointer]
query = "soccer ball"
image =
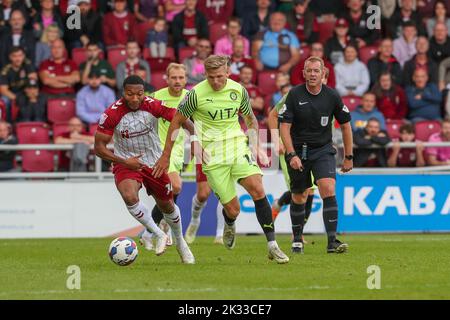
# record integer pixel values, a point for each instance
(123, 251)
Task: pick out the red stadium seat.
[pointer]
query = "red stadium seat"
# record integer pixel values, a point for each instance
(393, 128)
(32, 132)
(158, 64)
(141, 30)
(216, 31)
(60, 110)
(79, 55)
(38, 161)
(266, 82)
(351, 102)
(304, 53)
(60, 128)
(326, 30)
(185, 52)
(92, 128)
(366, 53)
(170, 54)
(116, 56)
(159, 79)
(2, 110)
(424, 129)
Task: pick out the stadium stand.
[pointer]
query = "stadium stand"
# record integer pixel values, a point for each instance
(60, 110)
(424, 129)
(33, 132)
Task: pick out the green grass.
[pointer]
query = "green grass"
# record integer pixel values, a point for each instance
(412, 267)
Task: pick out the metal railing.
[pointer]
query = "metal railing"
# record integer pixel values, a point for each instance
(98, 174)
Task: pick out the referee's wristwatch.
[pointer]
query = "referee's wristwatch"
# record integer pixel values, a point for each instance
(289, 156)
(349, 157)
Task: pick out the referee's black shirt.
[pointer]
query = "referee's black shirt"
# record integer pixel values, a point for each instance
(312, 115)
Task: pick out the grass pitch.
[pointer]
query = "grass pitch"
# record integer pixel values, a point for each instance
(412, 267)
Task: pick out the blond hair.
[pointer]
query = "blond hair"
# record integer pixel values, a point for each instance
(214, 62)
(176, 66)
(316, 59)
(52, 27)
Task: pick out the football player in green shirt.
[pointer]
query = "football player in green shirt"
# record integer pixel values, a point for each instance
(215, 105)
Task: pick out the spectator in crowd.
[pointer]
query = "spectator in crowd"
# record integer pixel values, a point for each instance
(391, 98)
(172, 8)
(357, 19)
(76, 135)
(352, 76)
(424, 99)
(118, 25)
(243, 7)
(387, 9)
(47, 15)
(189, 25)
(128, 67)
(420, 60)
(277, 47)
(256, 97)
(8, 6)
(404, 13)
(334, 47)
(14, 75)
(327, 10)
(444, 74)
(406, 157)
(256, 21)
(405, 46)
(368, 138)
(98, 65)
(317, 50)
(93, 99)
(49, 35)
(385, 61)
(17, 36)
(58, 74)
(440, 156)
(224, 46)
(6, 138)
(425, 8)
(281, 79)
(440, 43)
(216, 10)
(195, 68)
(157, 39)
(91, 27)
(141, 72)
(239, 59)
(31, 103)
(440, 15)
(366, 111)
(148, 10)
(303, 21)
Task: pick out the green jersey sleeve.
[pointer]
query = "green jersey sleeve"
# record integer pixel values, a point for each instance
(188, 106)
(245, 107)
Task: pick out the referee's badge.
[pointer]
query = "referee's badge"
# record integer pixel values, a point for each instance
(324, 121)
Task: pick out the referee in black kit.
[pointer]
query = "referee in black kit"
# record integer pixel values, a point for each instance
(306, 122)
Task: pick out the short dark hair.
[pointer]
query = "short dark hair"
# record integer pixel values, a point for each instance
(408, 23)
(16, 49)
(133, 80)
(373, 120)
(409, 128)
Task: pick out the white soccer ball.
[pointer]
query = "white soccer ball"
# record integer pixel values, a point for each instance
(123, 251)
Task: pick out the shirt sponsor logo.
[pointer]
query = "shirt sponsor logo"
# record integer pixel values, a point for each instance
(126, 134)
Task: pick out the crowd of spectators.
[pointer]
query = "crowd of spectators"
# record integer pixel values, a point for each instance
(404, 80)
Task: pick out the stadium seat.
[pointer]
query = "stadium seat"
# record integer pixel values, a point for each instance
(185, 52)
(159, 79)
(366, 53)
(2, 110)
(38, 161)
(393, 128)
(304, 53)
(326, 30)
(266, 82)
(79, 55)
(60, 110)
(92, 128)
(141, 30)
(158, 64)
(170, 54)
(424, 129)
(32, 132)
(60, 128)
(216, 31)
(116, 56)
(351, 102)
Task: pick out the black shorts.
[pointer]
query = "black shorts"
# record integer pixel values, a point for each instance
(321, 162)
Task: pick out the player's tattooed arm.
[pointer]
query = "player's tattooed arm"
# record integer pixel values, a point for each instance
(253, 137)
(102, 151)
